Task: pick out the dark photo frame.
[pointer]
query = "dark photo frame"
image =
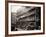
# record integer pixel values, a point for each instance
(24, 18)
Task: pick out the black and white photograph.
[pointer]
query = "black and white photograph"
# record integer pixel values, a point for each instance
(25, 18)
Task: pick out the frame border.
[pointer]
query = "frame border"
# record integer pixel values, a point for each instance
(6, 18)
